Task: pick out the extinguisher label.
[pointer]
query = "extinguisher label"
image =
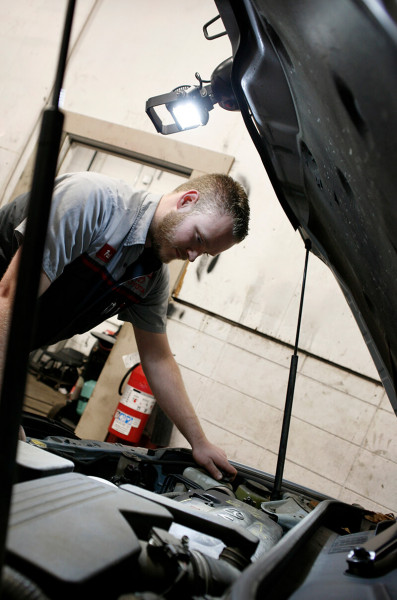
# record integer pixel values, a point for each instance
(138, 400)
(123, 422)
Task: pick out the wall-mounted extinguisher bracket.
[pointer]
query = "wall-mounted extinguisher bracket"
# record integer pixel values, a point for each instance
(134, 408)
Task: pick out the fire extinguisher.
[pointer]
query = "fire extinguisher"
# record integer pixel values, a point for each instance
(134, 408)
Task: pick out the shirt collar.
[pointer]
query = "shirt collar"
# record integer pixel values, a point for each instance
(140, 226)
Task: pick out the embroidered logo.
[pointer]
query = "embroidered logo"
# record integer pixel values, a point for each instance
(139, 285)
(106, 253)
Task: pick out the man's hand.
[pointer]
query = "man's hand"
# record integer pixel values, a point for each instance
(214, 460)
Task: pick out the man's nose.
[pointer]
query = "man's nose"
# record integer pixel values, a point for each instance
(192, 255)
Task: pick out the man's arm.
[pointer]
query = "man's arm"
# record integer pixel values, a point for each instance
(166, 382)
(8, 286)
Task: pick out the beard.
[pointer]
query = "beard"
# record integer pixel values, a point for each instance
(163, 236)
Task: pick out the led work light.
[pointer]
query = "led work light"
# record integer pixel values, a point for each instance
(187, 107)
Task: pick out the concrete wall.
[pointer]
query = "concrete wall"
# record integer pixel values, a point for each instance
(123, 52)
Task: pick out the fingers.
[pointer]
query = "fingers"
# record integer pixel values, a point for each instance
(214, 460)
(213, 470)
(227, 471)
(206, 461)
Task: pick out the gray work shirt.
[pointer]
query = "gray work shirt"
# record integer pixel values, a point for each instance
(96, 260)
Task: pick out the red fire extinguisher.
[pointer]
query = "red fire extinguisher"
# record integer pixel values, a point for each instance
(134, 408)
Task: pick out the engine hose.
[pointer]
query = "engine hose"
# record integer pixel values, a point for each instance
(201, 574)
(211, 575)
(16, 586)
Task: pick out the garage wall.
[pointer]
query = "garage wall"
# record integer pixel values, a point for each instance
(122, 52)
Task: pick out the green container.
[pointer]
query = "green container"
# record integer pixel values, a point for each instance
(86, 392)
(256, 492)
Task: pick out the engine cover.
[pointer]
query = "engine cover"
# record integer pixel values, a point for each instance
(71, 533)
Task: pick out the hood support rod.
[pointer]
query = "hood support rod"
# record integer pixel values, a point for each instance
(22, 324)
(276, 493)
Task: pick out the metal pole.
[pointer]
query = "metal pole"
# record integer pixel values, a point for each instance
(22, 319)
(276, 493)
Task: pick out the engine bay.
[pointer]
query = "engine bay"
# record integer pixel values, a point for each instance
(89, 516)
(91, 519)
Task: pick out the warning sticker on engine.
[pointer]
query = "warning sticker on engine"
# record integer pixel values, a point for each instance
(138, 400)
(123, 423)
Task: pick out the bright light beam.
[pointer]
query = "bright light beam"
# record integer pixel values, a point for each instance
(187, 114)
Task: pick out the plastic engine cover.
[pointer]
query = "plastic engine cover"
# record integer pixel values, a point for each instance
(69, 533)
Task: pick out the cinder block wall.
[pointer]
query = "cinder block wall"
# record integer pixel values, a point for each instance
(343, 431)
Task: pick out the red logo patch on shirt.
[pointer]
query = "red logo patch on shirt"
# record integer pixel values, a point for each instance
(106, 253)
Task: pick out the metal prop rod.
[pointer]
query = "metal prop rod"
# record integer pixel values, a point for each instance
(276, 493)
(22, 323)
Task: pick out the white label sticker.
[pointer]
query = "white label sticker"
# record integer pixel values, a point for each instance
(123, 422)
(138, 400)
(130, 360)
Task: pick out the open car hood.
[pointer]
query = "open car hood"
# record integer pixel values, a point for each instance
(314, 81)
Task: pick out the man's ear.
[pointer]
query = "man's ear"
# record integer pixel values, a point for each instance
(187, 200)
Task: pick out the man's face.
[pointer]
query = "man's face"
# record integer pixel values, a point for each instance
(185, 236)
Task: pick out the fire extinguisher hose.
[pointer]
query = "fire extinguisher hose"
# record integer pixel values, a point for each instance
(125, 377)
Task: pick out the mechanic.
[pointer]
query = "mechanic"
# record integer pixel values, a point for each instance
(106, 251)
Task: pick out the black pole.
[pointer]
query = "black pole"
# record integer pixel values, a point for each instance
(276, 493)
(22, 323)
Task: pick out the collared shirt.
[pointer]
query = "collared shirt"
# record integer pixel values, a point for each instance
(96, 260)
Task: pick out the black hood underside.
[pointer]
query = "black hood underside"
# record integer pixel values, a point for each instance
(315, 81)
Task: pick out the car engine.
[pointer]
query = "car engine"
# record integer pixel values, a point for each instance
(95, 519)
